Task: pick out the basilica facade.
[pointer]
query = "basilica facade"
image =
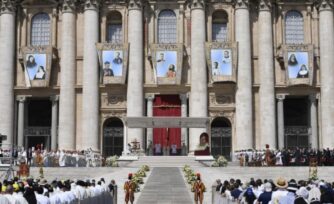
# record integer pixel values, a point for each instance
(259, 71)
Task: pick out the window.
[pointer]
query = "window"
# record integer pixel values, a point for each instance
(294, 28)
(114, 28)
(219, 26)
(40, 29)
(167, 32)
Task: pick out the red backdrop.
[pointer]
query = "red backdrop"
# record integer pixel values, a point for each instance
(167, 105)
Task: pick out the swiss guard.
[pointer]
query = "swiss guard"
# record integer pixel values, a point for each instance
(129, 188)
(198, 188)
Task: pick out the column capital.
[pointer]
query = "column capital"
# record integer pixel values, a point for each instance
(280, 97)
(241, 4)
(21, 99)
(150, 96)
(135, 5)
(265, 5)
(324, 5)
(54, 98)
(183, 97)
(313, 97)
(8, 6)
(197, 4)
(69, 6)
(92, 4)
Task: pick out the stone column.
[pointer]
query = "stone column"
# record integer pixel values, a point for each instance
(149, 109)
(326, 33)
(54, 122)
(314, 122)
(20, 121)
(267, 83)
(67, 101)
(198, 93)
(90, 86)
(7, 66)
(184, 113)
(135, 96)
(244, 107)
(280, 120)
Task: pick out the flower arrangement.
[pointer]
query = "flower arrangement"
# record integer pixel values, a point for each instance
(189, 174)
(138, 177)
(112, 161)
(220, 161)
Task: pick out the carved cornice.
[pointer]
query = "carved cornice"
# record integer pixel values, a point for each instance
(325, 4)
(265, 5)
(241, 4)
(135, 4)
(91, 4)
(69, 6)
(8, 6)
(197, 4)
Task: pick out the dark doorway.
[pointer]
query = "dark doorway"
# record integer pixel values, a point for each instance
(296, 122)
(113, 137)
(221, 137)
(38, 125)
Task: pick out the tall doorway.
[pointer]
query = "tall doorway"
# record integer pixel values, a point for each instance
(221, 137)
(296, 122)
(113, 134)
(38, 124)
(167, 141)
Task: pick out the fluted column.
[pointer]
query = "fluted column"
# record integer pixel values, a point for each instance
(67, 81)
(326, 33)
(20, 120)
(7, 66)
(184, 113)
(135, 97)
(54, 122)
(90, 88)
(267, 83)
(149, 113)
(244, 108)
(280, 120)
(314, 121)
(198, 93)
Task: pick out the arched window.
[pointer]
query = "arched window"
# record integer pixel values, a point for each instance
(219, 26)
(167, 31)
(114, 27)
(294, 28)
(40, 29)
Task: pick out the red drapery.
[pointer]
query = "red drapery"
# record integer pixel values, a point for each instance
(167, 105)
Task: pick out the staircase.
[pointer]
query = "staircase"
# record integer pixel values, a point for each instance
(166, 161)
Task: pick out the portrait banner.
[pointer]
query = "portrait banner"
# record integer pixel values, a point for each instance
(298, 60)
(113, 59)
(37, 65)
(222, 61)
(167, 62)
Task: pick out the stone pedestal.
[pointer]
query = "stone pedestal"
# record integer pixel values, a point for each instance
(67, 101)
(135, 97)
(326, 33)
(7, 67)
(198, 94)
(267, 83)
(280, 120)
(244, 107)
(90, 86)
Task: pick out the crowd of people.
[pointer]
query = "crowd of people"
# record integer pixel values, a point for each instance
(59, 158)
(32, 191)
(279, 191)
(286, 157)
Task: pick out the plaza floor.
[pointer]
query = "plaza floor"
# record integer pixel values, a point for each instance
(166, 185)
